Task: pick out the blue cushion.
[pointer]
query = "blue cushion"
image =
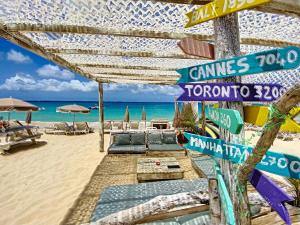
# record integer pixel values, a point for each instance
(122, 139)
(137, 138)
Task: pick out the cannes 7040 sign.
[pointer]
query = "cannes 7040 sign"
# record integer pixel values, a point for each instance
(272, 60)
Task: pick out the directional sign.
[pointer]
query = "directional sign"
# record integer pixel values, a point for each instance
(272, 194)
(219, 8)
(225, 198)
(228, 119)
(273, 162)
(231, 92)
(191, 46)
(271, 60)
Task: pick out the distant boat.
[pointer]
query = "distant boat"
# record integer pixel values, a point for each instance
(94, 107)
(42, 108)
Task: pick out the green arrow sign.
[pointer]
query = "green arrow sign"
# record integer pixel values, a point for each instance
(224, 195)
(228, 119)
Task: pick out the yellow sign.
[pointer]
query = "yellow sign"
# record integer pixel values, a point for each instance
(220, 8)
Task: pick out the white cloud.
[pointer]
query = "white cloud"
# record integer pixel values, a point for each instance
(17, 57)
(27, 82)
(52, 71)
(156, 89)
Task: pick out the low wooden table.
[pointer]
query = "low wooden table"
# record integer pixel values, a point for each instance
(166, 168)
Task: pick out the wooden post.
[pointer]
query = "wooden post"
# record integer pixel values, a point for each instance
(214, 202)
(227, 44)
(101, 117)
(203, 117)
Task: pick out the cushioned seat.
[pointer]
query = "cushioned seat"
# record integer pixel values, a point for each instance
(124, 149)
(164, 147)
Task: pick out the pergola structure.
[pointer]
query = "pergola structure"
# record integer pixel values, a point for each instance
(135, 41)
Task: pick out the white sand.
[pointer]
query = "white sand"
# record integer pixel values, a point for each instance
(39, 185)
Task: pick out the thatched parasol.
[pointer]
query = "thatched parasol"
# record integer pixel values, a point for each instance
(73, 109)
(126, 117)
(13, 104)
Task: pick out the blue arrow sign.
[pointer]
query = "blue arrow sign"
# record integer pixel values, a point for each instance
(271, 60)
(273, 162)
(272, 194)
(225, 198)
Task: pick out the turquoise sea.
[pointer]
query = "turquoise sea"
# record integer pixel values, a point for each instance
(112, 111)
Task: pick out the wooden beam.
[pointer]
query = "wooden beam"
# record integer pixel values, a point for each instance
(15, 27)
(287, 7)
(135, 77)
(105, 66)
(146, 76)
(101, 117)
(118, 53)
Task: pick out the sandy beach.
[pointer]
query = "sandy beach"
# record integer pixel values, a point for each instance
(38, 185)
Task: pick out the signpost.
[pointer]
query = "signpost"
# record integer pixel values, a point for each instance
(228, 119)
(230, 92)
(272, 194)
(219, 8)
(273, 162)
(191, 46)
(271, 60)
(225, 199)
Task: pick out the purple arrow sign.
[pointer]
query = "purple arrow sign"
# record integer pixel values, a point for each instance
(271, 193)
(230, 92)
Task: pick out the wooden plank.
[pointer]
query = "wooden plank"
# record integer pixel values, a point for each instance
(118, 53)
(59, 28)
(115, 66)
(101, 117)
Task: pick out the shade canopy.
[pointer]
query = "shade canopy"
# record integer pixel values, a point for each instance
(12, 104)
(135, 41)
(73, 109)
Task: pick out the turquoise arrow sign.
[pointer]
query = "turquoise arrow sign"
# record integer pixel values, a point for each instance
(271, 60)
(224, 195)
(273, 162)
(228, 119)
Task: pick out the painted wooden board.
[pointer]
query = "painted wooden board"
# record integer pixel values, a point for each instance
(272, 194)
(273, 162)
(219, 8)
(228, 119)
(271, 60)
(230, 92)
(192, 46)
(225, 198)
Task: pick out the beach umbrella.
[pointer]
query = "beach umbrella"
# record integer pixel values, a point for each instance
(176, 119)
(126, 117)
(13, 104)
(73, 109)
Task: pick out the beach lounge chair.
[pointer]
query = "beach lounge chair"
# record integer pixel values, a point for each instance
(16, 134)
(117, 125)
(82, 128)
(107, 126)
(59, 128)
(134, 125)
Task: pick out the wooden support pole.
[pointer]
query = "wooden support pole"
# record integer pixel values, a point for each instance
(214, 202)
(203, 116)
(101, 117)
(227, 44)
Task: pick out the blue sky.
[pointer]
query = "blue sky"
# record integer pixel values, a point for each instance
(28, 76)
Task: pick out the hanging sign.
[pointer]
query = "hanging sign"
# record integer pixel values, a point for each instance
(230, 92)
(271, 60)
(225, 198)
(228, 119)
(192, 46)
(273, 162)
(272, 194)
(219, 8)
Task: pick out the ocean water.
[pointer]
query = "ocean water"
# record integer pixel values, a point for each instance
(112, 111)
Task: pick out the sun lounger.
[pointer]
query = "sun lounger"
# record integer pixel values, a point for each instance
(16, 134)
(134, 125)
(59, 128)
(117, 125)
(82, 128)
(107, 126)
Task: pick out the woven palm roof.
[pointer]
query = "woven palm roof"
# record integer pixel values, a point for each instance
(127, 41)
